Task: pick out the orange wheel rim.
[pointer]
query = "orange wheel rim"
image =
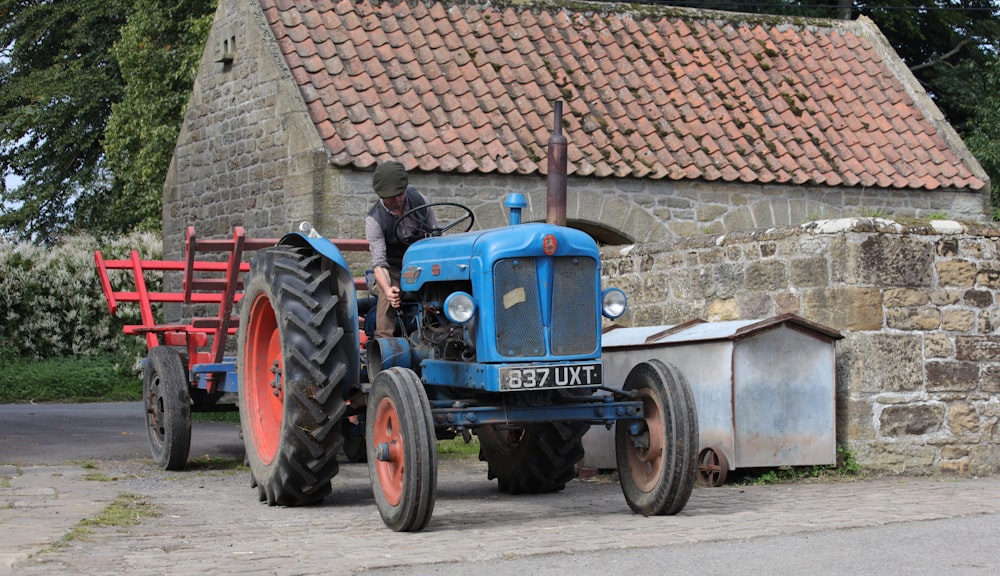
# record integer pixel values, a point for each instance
(646, 465)
(390, 471)
(265, 385)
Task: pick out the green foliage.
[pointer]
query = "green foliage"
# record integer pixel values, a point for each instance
(56, 90)
(846, 467)
(51, 303)
(102, 378)
(983, 132)
(158, 53)
(69, 66)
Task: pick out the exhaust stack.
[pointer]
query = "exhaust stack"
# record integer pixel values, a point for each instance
(555, 182)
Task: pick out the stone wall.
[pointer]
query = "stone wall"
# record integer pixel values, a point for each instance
(918, 382)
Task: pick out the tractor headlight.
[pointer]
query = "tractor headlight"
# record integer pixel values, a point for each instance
(459, 307)
(613, 303)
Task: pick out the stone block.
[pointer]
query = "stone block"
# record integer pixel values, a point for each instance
(951, 376)
(755, 304)
(990, 380)
(720, 310)
(944, 297)
(847, 308)
(977, 348)
(785, 303)
(887, 260)
(988, 278)
(809, 272)
(978, 298)
(911, 419)
(956, 320)
(989, 321)
(956, 273)
(938, 345)
(904, 297)
(963, 418)
(924, 318)
(879, 362)
(954, 466)
(766, 275)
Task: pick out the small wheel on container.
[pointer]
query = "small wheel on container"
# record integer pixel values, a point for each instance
(712, 468)
(402, 450)
(657, 456)
(168, 408)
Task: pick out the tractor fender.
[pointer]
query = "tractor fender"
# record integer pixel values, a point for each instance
(344, 282)
(385, 353)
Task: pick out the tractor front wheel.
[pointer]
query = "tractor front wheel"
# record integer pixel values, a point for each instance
(292, 371)
(402, 450)
(657, 456)
(168, 408)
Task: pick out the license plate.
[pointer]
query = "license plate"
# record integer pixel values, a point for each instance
(552, 376)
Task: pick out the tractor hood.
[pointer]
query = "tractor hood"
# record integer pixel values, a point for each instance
(454, 258)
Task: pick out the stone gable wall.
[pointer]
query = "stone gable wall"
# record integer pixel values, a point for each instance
(918, 371)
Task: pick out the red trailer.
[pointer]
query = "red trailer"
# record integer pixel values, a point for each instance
(187, 368)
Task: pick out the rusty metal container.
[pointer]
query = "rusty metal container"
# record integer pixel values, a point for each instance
(765, 390)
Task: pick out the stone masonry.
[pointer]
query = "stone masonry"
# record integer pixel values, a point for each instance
(918, 372)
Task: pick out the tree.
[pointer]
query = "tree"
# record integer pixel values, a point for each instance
(91, 93)
(158, 53)
(58, 81)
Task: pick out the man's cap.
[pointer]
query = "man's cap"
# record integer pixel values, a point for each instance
(390, 180)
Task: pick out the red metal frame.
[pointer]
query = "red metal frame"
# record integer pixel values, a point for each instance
(203, 282)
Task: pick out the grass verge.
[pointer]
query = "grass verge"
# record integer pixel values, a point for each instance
(80, 379)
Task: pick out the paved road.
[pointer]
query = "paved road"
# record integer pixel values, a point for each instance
(210, 522)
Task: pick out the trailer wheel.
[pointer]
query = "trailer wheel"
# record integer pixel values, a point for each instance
(657, 457)
(292, 366)
(402, 450)
(168, 408)
(534, 458)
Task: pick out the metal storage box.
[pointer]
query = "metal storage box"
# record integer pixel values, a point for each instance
(765, 390)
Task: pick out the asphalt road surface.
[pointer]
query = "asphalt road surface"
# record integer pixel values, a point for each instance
(61, 464)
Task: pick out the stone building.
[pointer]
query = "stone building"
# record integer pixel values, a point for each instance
(680, 123)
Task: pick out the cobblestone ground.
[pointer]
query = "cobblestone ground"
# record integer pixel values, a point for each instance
(210, 521)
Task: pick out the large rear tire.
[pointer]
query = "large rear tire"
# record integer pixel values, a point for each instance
(658, 457)
(402, 450)
(168, 408)
(292, 366)
(534, 458)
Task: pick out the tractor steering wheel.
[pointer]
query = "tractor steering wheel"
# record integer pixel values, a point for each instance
(435, 230)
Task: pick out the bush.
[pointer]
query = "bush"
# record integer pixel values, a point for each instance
(51, 304)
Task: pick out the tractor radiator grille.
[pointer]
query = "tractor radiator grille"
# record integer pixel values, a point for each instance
(520, 332)
(518, 315)
(574, 319)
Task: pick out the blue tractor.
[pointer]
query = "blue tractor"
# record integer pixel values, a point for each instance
(501, 338)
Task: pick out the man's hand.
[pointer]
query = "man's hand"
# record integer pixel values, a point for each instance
(393, 294)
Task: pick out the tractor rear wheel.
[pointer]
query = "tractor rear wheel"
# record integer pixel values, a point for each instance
(657, 457)
(292, 367)
(168, 408)
(534, 458)
(402, 449)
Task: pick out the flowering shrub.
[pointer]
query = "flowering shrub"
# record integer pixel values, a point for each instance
(51, 304)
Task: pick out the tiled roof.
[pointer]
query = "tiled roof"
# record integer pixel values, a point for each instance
(675, 95)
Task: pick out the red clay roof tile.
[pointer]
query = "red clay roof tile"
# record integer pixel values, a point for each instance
(470, 88)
